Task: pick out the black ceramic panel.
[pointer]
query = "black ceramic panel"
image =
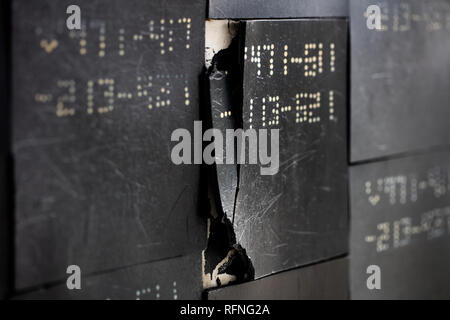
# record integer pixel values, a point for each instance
(400, 222)
(5, 234)
(172, 279)
(93, 113)
(252, 9)
(400, 77)
(4, 74)
(295, 81)
(222, 115)
(323, 281)
(5, 243)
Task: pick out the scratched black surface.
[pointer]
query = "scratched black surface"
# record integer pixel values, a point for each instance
(299, 215)
(253, 9)
(400, 79)
(4, 231)
(4, 146)
(414, 254)
(4, 84)
(322, 281)
(172, 279)
(99, 190)
(222, 117)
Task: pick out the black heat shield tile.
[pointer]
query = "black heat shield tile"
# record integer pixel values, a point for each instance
(322, 281)
(4, 231)
(299, 215)
(172, 279)
(4, 81)
(222, 118)
(400, 78)
(400, 221)
(93, 115)
(4, 149)
(265, 9)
